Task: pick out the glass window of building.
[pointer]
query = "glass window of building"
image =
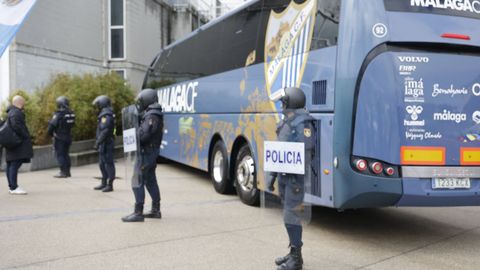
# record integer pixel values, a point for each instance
(117, 29)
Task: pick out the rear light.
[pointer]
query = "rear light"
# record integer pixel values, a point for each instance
(376, 167)
(456, 36)
(389, 171)
(360, 164)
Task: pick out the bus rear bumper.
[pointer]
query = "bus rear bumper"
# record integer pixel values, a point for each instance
(419, 192)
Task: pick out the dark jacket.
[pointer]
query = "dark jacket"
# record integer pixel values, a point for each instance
(61, 124)
(151, 127)
(105, 127)
(24, 151)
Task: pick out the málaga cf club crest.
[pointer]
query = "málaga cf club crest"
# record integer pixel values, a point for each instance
(287, 44)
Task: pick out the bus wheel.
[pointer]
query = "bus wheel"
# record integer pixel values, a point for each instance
(245, 177)
(219, 169)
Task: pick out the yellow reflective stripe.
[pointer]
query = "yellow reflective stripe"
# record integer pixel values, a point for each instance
(419, 155)
(469, 156)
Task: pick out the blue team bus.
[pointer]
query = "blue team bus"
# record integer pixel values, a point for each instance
(393, 85)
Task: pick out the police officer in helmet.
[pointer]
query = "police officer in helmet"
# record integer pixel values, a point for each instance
(60, 128)
(105, 142)
(149, 134)
(296, 126)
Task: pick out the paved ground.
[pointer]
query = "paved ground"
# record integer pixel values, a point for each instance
(66, 225)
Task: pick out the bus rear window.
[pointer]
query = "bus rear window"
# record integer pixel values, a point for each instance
(461, 8)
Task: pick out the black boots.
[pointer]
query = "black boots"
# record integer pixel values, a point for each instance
(155, 212)
(102, 185)
(61, 175)
(292, 261)
(64, 173)
(280, 260)
(136, 216)
(105, 186)
(109, 186)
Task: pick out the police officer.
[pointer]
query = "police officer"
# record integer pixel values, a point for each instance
(150, 135)
(296, 126)
(60, 128)
(105, 142)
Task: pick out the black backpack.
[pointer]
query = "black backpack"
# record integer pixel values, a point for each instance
(8, 138)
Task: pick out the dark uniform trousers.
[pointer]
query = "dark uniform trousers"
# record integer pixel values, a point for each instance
(291, 188)
(106, 143)
(147, 175)
(106, 160)
(62, 148)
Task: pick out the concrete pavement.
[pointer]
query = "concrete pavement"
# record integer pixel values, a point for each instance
(64, 224)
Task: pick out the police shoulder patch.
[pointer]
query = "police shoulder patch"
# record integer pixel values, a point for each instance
(104, 120)
(307, 132)
(54, 116)
(150, 122)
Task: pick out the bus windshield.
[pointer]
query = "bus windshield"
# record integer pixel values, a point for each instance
(461, 8)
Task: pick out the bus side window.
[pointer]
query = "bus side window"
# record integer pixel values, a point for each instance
(240, 38)
(326, 25)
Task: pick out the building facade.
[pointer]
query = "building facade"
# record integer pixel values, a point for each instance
(92, 36)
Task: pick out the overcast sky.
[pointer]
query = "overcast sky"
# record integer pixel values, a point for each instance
(233, 3)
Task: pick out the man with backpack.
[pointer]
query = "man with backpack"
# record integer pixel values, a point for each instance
(22, 152)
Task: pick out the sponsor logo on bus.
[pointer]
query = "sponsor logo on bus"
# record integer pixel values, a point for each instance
(414, 59)
(449, 116)
(406, 69)
(414, 90)
(421, 135)
(476, 117)
(178, 98)
(414, 111)
(458, 5)
(476, 89)
(451, 91)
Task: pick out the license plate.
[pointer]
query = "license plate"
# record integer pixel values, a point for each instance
(451, 183)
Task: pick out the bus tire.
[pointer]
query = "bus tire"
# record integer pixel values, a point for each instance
(219, 169)
(245, 177)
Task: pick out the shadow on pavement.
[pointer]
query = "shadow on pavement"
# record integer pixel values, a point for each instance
(379, 223)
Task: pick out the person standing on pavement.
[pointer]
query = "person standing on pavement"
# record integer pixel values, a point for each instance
(22, 153)
(150, 135)
(60, 128)
(105, 142)
(296, 126)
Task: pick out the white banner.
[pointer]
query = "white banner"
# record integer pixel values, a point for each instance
(284, 157)
(129, 140)
(12, 14)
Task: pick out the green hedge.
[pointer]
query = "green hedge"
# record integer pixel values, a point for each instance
(81, 91)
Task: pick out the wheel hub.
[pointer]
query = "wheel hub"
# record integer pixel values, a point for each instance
(246, 173)
(218, 167)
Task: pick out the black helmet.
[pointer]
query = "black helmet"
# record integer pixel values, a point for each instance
(292, 98)
(146, 98)
(62, 102)
(102, 102)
